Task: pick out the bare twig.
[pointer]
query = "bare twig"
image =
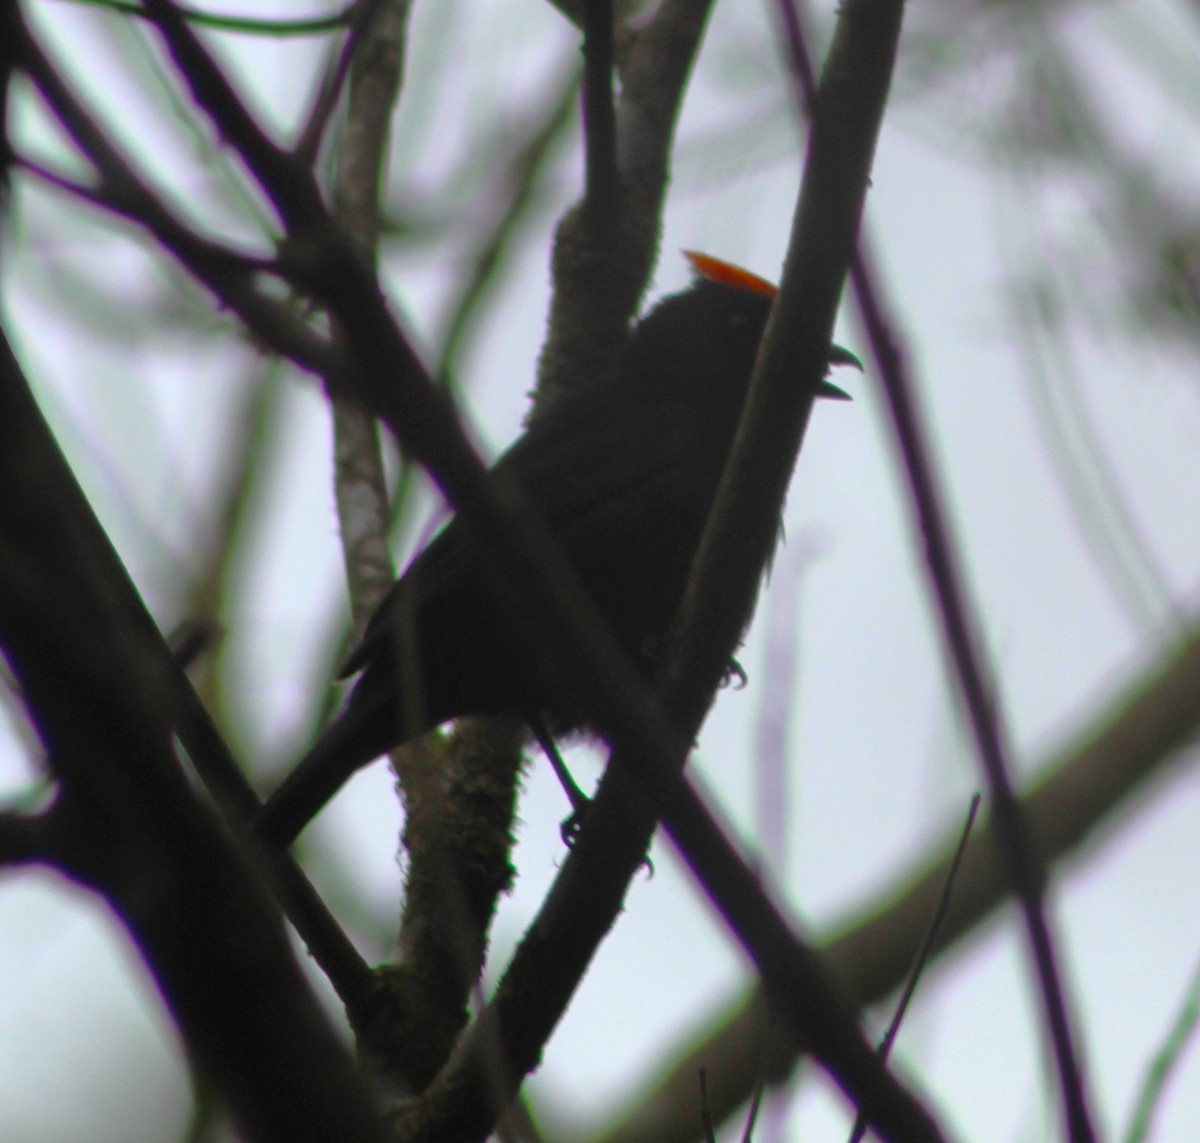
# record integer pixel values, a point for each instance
(359, 480)
(932, 933)
(1072, 444)
(1165, 1061)
(309, 143)
(238, 472)
(518, 194)
(289, 185)
(924, 954)
(231, 277)
(753, 1110)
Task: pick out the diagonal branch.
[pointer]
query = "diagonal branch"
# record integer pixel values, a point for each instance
(290, 186)
(103, 690)
(1023, 862)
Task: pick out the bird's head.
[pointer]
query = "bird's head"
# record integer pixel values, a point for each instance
(712, 331)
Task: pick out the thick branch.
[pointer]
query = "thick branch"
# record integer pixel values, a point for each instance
(126, 821)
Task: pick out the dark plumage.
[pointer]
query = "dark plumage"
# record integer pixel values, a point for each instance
(624, 475)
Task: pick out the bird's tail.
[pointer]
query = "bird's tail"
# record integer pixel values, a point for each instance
(348, 744)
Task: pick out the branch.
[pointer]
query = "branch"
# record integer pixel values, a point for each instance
(602, 187)
(743, 528)
(126, 820)
(291, 187)
(457, 834)
(359, 479)
(600, 272)
(960, 627)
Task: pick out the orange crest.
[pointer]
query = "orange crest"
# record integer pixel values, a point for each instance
(714, 270)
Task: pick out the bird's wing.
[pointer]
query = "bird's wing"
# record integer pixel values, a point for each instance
(592, 455)
(580, 461)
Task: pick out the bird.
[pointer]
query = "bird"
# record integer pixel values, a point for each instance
(623, 472)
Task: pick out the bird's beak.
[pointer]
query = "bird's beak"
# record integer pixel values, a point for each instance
(838, 356)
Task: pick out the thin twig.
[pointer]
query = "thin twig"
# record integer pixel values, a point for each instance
(1164, 1062)
(754, 1108)
(231, 277)
(1121, 550)
(924, 953)
(360, 483)
(519, 194)
(931, 936)
(308, 145)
